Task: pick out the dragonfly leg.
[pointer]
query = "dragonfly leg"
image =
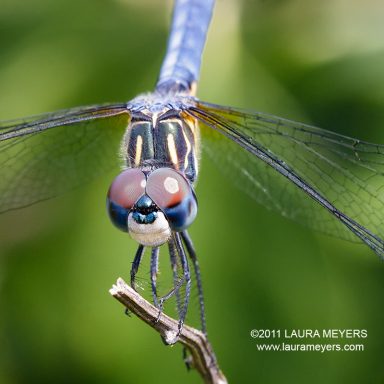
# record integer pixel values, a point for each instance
(135, 268)
(154, 272)
(167, 296)
(135, 264)
(187, 278)
(176, 249)
(172, 253)
(187, 358)
(176, 279)
(192, 254)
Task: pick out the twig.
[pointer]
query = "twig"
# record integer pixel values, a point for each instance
(201, 351)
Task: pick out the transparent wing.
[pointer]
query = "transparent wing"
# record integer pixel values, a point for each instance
(316, 169)
(44, 156)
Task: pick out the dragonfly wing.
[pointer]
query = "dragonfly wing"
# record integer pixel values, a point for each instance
(44, 156)
(316, 169)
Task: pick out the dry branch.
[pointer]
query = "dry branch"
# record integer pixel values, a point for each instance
(194, 340)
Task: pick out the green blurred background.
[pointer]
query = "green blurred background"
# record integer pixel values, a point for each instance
(318, 62)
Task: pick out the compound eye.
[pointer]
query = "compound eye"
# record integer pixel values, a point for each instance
(173, 194)
(127, 188)
(123, 193)
(167, 188)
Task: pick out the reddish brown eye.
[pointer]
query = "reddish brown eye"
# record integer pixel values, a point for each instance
(126, 189)
(172, 193)
(167, 188)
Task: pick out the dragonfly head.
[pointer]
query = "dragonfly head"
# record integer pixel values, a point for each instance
(150, 205)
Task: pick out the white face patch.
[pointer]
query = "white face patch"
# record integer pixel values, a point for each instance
(171, 185)
(151, 235)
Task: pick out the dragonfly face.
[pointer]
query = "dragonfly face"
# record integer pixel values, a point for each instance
(149, 205)
(154, 196)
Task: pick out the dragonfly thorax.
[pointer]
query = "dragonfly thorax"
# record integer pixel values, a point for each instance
(163, 138)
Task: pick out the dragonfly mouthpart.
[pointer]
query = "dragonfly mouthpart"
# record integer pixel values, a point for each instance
(147, 224)
(145, 210)
(150, 229)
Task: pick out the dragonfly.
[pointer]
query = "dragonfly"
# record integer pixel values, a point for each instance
(327, 181)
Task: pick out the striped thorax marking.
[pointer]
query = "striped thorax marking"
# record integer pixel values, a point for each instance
(172, 150)
(167, 139)
(139, 149)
